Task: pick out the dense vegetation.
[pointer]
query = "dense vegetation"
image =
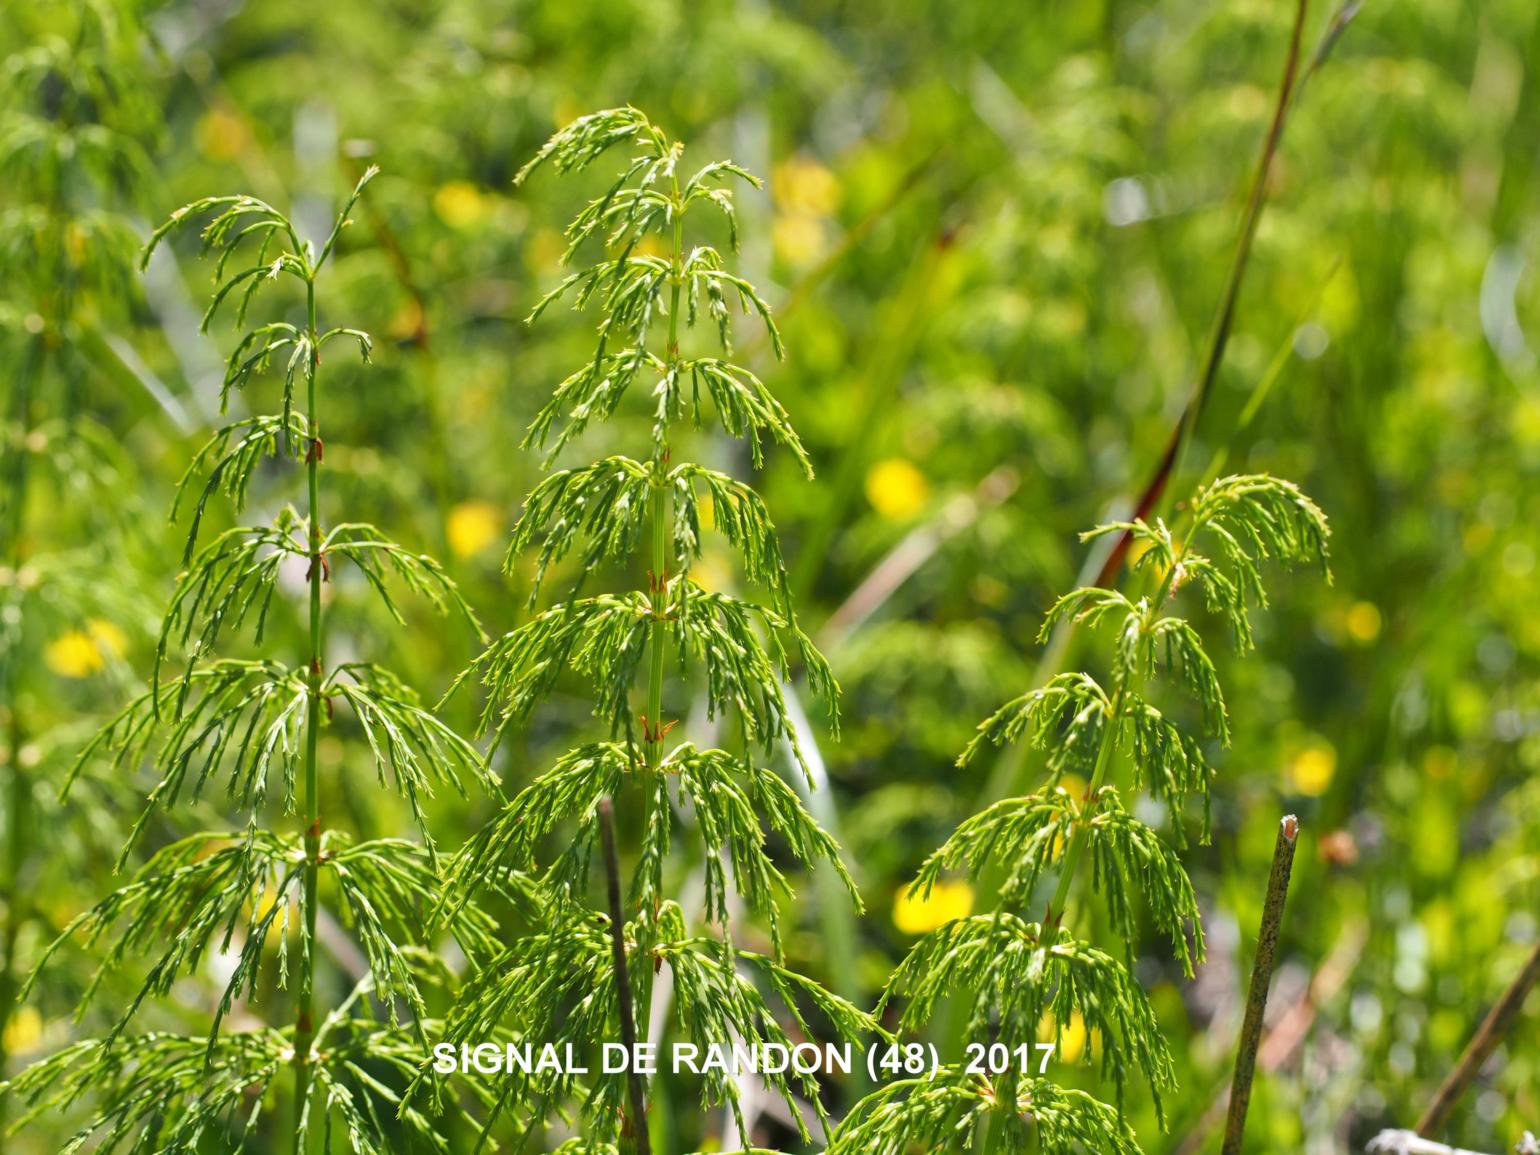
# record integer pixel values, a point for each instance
(1007, 277)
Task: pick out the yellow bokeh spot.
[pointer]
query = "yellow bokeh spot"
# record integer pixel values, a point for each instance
(918, 913)
(110, 640)
(896, 489)
(711, 572)
(222, 135)
(460, 204)
(802, 185)
(81, 653)
(1363, 622)
(1072, 1039)
(1137, 548)
(1311, 769)
(73, 655)
(472, 527)
(265, 905)
(651, 246)
(1525, 422)
(24, 1031)
(546, 248)
(798, 239)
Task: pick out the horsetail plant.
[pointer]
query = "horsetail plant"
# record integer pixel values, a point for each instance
(585, 977)
(256, 724)
(1027, 975)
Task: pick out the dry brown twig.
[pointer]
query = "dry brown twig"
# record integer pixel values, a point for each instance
(1261, 981)
(1494, 1028)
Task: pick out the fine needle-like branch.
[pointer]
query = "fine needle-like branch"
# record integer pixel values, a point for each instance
(1261, 980)
(634, 1085)
(1494, 1028)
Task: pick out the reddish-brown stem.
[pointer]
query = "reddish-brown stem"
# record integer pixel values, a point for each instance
(1494, 1028)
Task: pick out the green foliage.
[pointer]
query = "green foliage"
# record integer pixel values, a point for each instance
(949, 1110)
(247, 720)
(560, 984)
(75, 122)
(175, 1093)
(1022, 975)
(993, 248)
(1129, 860)
(607, 503)
(166, 1092)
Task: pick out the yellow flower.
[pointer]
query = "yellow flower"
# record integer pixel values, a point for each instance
(24, 1031)
(1363, 622)
(1072, 1039)
(916, 913)
(1310, 772)
(81, 653)
(110, 640)
(896, 489)
(460, 204)
(472, 527)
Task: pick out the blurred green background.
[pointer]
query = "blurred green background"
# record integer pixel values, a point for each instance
(996, 236)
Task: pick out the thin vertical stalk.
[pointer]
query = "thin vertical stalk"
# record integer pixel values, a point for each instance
(1491, 1032)
(1072, 853)
(1219, 338)
(1261, 980)
(653, 726)
(659, 514)
(1002, 783)
(638, 1140)
(658, 581)
(1103, 766)
(1006, 1127)
(304, 1021)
